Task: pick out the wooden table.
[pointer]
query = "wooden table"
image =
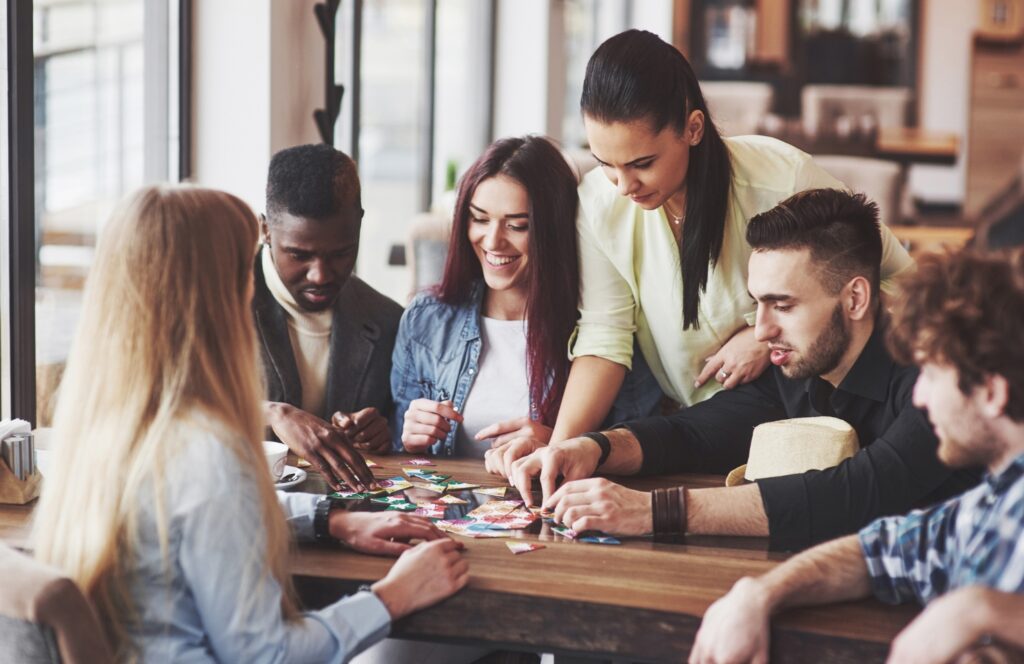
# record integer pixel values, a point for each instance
(640, 601)
(906, 145)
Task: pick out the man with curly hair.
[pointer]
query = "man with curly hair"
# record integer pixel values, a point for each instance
(960, 321)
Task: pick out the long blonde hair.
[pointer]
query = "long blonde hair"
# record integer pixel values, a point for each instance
(166, 330)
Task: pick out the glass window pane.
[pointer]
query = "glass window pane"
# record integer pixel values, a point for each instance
(91, 144)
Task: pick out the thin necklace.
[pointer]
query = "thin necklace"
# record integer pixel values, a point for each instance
(676, 219)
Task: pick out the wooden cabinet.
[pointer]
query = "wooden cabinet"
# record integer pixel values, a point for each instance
(995, 143)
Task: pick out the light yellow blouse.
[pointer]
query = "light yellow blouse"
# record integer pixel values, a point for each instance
(630, 274)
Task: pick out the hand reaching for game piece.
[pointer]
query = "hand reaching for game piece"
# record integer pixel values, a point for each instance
(426, 423)
(381, 533)
(599, 504)
(572, 459)
(499, 459)
(507, 431)
(423, 575)
(366, 428)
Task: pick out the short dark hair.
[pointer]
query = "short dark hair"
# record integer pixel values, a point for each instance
(965, 310)
(314, 181)
(552, 273)
(637, 76)
(840, 228)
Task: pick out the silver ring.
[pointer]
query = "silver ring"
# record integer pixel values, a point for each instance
(723, 373)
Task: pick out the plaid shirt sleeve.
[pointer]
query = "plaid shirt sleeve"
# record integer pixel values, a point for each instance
(910, 557)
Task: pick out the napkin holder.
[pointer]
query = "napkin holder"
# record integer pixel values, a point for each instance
(18, 492)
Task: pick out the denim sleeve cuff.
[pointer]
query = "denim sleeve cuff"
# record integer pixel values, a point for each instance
(298, 510)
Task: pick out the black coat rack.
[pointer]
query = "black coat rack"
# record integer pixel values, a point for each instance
(325, 118)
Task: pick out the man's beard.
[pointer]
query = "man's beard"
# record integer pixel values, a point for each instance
(825, 352)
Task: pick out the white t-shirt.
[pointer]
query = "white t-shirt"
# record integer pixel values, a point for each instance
(501, 390)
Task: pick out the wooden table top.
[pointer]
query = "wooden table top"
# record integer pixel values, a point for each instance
(640, 600)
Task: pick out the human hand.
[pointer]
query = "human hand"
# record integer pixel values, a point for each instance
(736, 628)
(426, 423)
(499, 459)
(946, 628)
(381, 533)
(325, 446)
(521, 427)
(599, 504)
(740, 360)
(423, 575)
(573, 459)
(366, 428)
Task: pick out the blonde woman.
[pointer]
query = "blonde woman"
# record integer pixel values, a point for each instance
(160, 505)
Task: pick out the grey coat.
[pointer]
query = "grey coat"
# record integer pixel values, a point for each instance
(362, 339)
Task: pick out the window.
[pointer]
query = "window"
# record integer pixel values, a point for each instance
(106, 122)
(415, 114)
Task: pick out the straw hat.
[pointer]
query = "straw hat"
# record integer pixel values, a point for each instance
(787, 447)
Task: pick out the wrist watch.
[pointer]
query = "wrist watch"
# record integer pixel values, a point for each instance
(322, 521)
(602, 442)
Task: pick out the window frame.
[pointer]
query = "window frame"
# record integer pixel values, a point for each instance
(18, 356)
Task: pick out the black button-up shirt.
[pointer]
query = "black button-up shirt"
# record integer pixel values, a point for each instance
(895, 471)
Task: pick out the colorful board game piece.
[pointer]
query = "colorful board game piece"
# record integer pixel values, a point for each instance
(523, 547)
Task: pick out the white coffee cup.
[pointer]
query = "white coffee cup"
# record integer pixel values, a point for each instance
(277, 455)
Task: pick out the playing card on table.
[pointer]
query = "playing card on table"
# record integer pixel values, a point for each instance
(564, 531)
(517, 519)
(451, 500)
(425, 475)
(600, 539)
(498, 491)
(430, 511)
(523, 547)
(403, 507)
(394, 484)
(421, 462)
(426, 486)
(350, 495)
(389, 500)
(494, 508)
(458, 486)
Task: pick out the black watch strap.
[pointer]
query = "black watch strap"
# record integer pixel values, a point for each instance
(603, 442)
(321, 520)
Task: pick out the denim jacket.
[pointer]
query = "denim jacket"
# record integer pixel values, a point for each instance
(437, 354)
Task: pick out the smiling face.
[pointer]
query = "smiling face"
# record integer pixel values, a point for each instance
(314, 258)
(647, 166)
(804, 326)
(499, 232)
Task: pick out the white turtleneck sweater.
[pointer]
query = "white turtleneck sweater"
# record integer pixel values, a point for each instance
(310, 334)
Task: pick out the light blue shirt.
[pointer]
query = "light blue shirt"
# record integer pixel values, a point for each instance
(214, 599)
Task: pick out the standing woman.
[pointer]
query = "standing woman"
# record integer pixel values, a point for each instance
(160, 506)
(661, 233)
(480, 360)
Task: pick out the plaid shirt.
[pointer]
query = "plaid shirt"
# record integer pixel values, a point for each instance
(973, 539)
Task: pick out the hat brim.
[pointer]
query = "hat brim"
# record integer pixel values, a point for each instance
(736, 477)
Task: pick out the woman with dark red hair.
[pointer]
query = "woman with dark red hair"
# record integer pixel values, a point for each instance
(481, 359)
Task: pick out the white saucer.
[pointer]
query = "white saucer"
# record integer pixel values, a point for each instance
(284, 486)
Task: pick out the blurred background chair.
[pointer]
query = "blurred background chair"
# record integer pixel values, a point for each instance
(865, 107)
(737, 107)
(879, 180)
(44, 618)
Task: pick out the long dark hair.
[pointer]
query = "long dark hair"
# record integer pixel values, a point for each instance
(636, 76)
(536, 164)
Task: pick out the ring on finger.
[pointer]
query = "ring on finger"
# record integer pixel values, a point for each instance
(723, 374)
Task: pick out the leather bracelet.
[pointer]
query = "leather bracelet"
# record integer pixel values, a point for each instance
(322, 521)
(603, 443)
(668, 511)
